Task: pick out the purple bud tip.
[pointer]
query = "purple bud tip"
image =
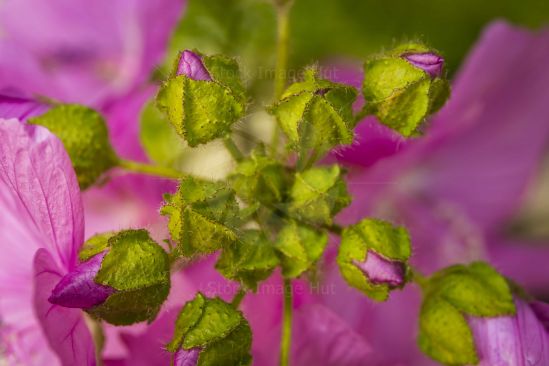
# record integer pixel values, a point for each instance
(190, 65)
(77, 289)
(428, 62)
(322, 92)
(186, 357)
(382, 271)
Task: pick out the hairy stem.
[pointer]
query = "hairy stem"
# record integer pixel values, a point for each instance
(233, 149)
(286, 336)
(283, 32)
(149, 169)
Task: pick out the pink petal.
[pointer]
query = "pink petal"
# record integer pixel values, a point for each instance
(190, 65)
(78, 289)
(64, 328)
(36, 168)
(322, 338)
(16, 105)
(381, 270)
(187, 358)
(83, 52)
(41, 208)
(428, 62)
(520, 340)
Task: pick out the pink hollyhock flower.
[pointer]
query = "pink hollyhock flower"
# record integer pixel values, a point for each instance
(456, 187)
(41, 229)
(83, 52)
(101, 54)
(520, 340)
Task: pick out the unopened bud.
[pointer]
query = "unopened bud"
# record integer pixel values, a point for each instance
(78, 289)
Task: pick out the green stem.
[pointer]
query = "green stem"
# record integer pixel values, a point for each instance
(149, 169)
(98, 336)
(238, 297)
(305, 162)
(419, 278)
(280, 78)
(233, 149)
(334, 229)
(286, 336)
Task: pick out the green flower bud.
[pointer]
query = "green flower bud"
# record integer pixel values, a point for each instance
(203, 98)
(404, 86)
(316, 114)
(451, 297)
(318, 194)
(215, 330)
(373, 257)
(299, 248)
(251, 260)
(85, 136)
(260, 178)
(203, 216)
(138, 269)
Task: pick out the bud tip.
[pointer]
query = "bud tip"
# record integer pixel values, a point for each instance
(191, 65)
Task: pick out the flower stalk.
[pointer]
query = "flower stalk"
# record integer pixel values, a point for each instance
(286, 335)
(283, 34)
(150, 169)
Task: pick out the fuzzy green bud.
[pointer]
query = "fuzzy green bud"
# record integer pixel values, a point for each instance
(85, 136)
(203, 98)
(316, 114)
(404, 86)
(373, 257)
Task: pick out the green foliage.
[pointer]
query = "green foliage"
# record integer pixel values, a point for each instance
(400, 94)
(260, 178)
(200, 110)
(85, 136)
(318, 194)
(203, 216)
(251, 260)
(449, 296)
(390, 242)
(316, 114)
(217, 328)
(444, 334)
(159, 139)
(138, 268)
(95, 245)
(299, 248)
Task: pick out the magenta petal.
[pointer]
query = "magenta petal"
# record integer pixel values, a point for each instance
(429, 62)
(36, 168)
(190, 65)
(187, 358)
(40, 208)
(519, 340)
(380, 270)
(78, 289)
(322, 338)
(14, 105)
(65, 329)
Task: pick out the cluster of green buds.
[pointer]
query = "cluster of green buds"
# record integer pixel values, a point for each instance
(272, 211)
